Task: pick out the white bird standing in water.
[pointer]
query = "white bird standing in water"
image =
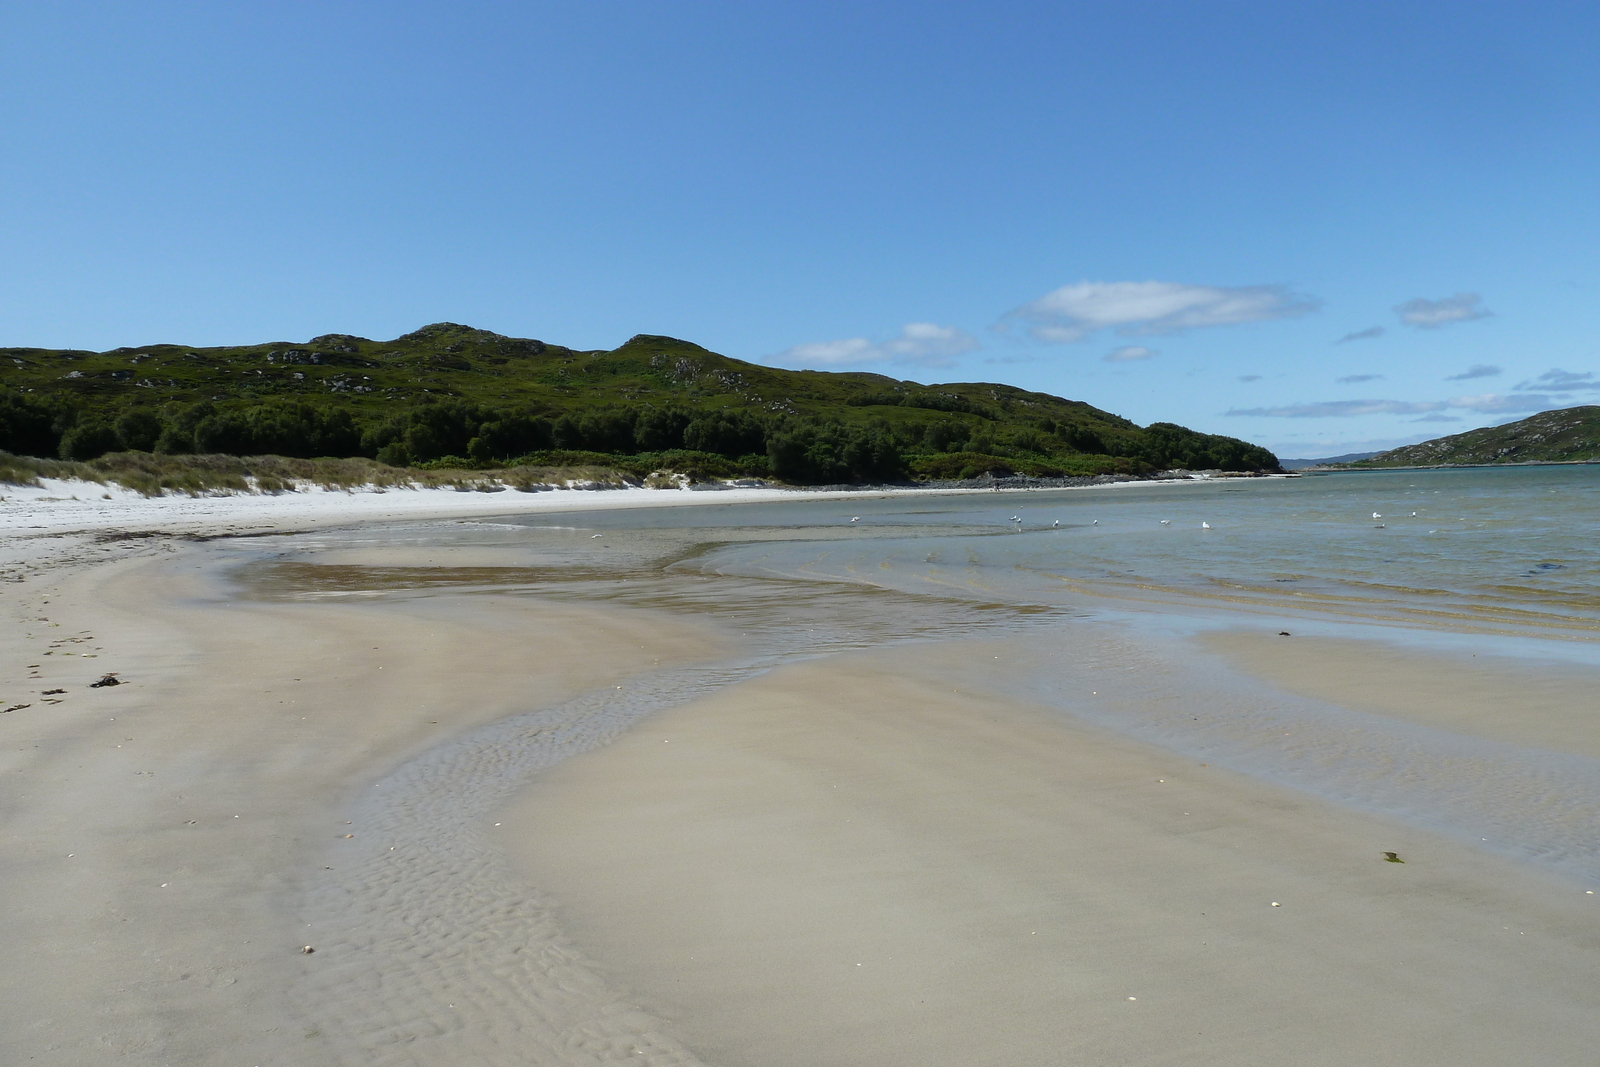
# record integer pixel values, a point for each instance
(855, 518)
(1376, 515)
(1205, 526)
(1166, 522)
(1055, 524)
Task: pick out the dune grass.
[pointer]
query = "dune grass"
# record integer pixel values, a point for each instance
(216, 475)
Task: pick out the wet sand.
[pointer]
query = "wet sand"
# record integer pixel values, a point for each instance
(864, 861)
(1540, 704)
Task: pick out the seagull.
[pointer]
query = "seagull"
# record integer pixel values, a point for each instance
(1376, 515)
(1205, 526)
(592, 536)
(1166, 522)
(855, 518)
(1095, 523)
(1053, 525)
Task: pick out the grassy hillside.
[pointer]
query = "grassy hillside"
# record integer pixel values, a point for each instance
(1550, 436)
(448, 392)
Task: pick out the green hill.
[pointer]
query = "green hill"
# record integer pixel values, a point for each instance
(453, 393)
(1566, 435)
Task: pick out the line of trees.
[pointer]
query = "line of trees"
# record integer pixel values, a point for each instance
(795, 448)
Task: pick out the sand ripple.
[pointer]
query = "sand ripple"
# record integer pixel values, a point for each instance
(434, 952)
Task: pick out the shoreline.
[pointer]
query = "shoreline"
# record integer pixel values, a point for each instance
(58, 506)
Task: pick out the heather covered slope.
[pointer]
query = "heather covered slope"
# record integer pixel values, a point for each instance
(448, 390)
(1565, 435)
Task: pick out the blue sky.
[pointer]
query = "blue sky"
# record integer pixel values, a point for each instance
(1322, 227)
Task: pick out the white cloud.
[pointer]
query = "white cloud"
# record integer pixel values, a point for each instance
(1432, 314)
(929, 345)
(922, 344)
(1356, 379)
(1477, 370)
(1138, 309)
(1361, 335)
(847, 350)
(1128, 353)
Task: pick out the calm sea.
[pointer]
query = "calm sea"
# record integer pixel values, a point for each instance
(1505, 550)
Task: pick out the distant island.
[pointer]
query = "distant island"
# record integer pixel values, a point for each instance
(452, 395)
(1328, 461)
(1566, 435)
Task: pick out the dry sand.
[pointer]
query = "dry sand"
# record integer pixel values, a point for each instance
(156, 833)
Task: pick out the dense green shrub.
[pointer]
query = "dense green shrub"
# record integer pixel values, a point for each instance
(1169, 445)
(31, 426)
(727, 433)
(296, 430)
(824, 453)
(89, 439)
(139, 429)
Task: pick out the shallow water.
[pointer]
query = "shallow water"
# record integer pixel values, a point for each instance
(1506, 550)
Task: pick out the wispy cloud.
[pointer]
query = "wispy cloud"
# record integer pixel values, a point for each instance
(1249, 377)
(1127, 353)
(1298, 443)
(1437, 417)
(1488, 404)
(1477, 370)
(1340, 409)
(1361, 335)
(1557, 380)
(1431, 314)
(1496, 404)
(1142, 309)
(921, 344)
(1355, 379)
